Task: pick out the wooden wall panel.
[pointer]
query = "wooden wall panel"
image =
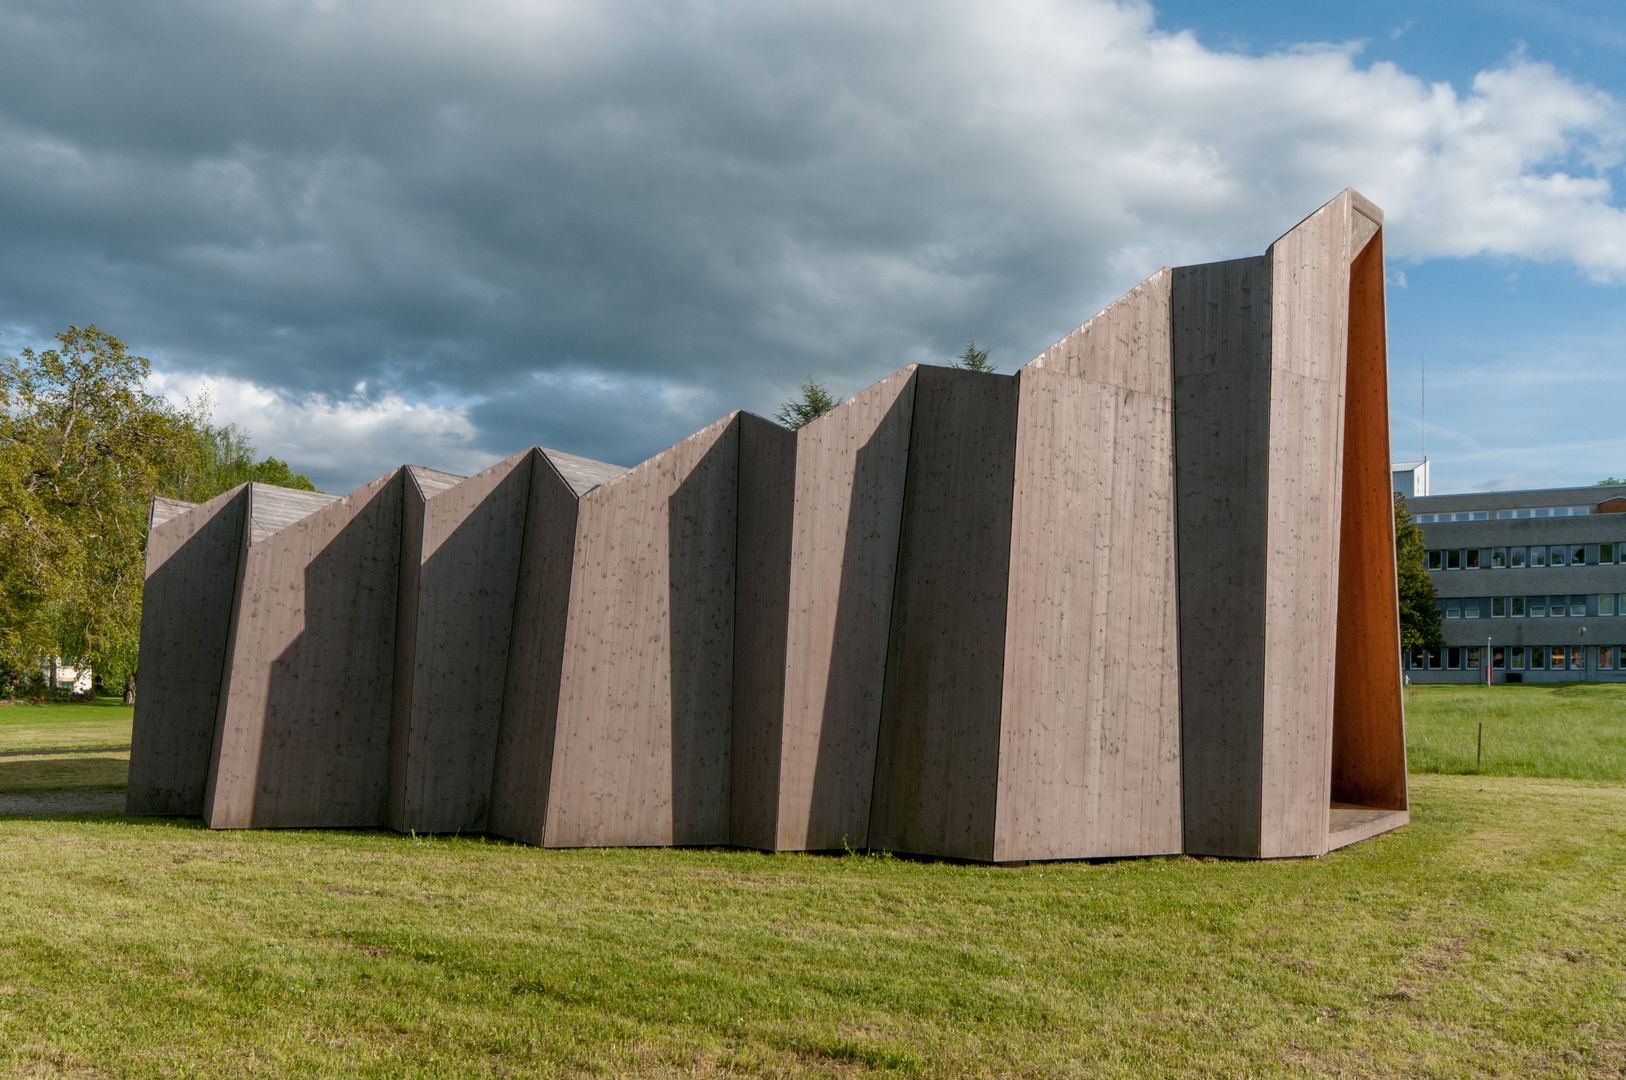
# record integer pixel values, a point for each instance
(302, 739)
(937, 762)
(1090, 750)
(1309, 339)
(1369, 728)
(641, 753)
(191, 580)
(523, 767)
(850, 471)
(767, 506)
(1220, 338)
(469, 549)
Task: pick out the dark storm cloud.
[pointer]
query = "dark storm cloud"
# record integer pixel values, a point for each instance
(600, 225)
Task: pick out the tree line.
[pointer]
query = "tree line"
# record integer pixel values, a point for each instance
(84, 447)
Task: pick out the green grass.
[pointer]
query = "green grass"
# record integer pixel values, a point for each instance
(1573, 730)
(1489, 938)
(105, 722)
(1486, 939)
(70, 772)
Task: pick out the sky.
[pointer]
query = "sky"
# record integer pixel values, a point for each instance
(382, 232)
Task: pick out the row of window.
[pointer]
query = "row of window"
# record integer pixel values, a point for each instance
(1506, 515)
(1515, 558)
(1516, 657)
(1534, 607)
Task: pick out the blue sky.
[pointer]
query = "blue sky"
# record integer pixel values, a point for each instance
(1526, 359)
(399, 230)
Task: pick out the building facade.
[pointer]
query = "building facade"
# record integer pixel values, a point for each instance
(1532, 586)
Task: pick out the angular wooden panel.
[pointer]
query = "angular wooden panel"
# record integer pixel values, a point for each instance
(641, 750)
(523, 768)
(461, 549)
(1090, 750)
(937, 762)
(767, 502)
(850, 472)
(1369, 728)
(302, 739)
(191, 580)
(1220, 334)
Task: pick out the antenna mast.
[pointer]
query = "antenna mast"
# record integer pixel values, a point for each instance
(1423, 411)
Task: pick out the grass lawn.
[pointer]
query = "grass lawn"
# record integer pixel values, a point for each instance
(1488, 938)
(105, 722)
(1573, 729)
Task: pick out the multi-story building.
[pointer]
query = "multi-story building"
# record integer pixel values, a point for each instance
(1531, 583)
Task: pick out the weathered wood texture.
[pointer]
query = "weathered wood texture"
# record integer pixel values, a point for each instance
(302, 738)
(1221, 349)
(464, 563)
(641, 750)
(767, 503)
(851, 465)
(523, 769)
(1090, 735)
(1369, 728)
(937, 762)
(191, 580)
(1261, 349)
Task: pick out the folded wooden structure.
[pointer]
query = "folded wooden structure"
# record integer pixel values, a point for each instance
(1138, 598)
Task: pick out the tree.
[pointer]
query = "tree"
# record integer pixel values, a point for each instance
(1609, 482)
(814, 403)
(83, 447)
(222, 458)
(1419, 601)
(974, 359)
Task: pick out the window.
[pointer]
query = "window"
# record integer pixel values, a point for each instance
(1555, 556)
(1515, 557)
(1515, 607)
(1521, 513)
(1541, 511)
(1537, 607)
(1434, 659)
(1417, 659)
(1498, 607)
(1606, 657)
(1606, 604)
(1557, 605)
(1425, 519)
(1453, 658)
(1517, 659)
(1578, 555)
(1499, 558)
(1538, 657)
(1472, 561)
(1538, 556)
(1470, 609)
(1453, 559)
(1578, 607)
(1453, 609)
(1577, 657)
(1498, 658)
(1436, 560)
(1556, 661)
(1479, 515)
(1473, 658)
(1606, 554)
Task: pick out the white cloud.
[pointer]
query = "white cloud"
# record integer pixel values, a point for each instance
(702, 203)
(341, 443)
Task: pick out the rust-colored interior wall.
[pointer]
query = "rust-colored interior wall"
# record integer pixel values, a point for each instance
(1368, 727)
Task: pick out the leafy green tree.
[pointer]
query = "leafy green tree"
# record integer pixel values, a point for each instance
(83, 447)
(222, 458)
(814, 403)
(1419, 601)
(1609, 482)
(974, 359)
